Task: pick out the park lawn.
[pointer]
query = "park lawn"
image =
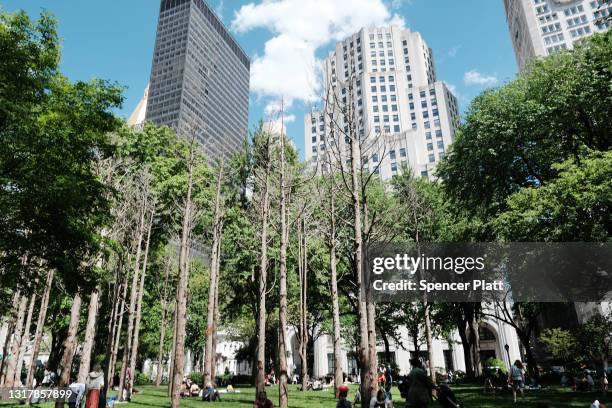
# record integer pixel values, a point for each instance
(470, 395)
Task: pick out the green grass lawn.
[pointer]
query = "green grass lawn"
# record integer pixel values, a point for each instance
(470, 395)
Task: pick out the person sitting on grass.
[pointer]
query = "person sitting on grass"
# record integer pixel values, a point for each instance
(517, 378)
(378, 401)
(262, 401)
(342, 395)
(211, 394)
(597, 404)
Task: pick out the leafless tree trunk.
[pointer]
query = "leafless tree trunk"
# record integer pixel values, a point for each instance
(137, 318)
(25, 338)
(263, 273)
(132, 307)
(171, 362)
(40, 325)
(181, 289)
(211, 329)
(282, 309)
(16, 343)
(117, 334)
(303, 281)
(338, 374)
(90, 331)
(69, 346)
(162, 334)
(213, 371)
(9, 336)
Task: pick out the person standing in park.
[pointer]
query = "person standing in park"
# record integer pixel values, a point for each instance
(343, 402)
(517, 378)
(95, 382)
(420, 386)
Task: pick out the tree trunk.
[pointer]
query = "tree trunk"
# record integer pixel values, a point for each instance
(162, 331)
(181, 291)
(9, 336)
(69, 346)
(213, 371)
(263, 277)
(362, 308)
(428, 337)
(117, 339)
(113, 299)
(475, 344)
(40, 326)
(282, 309)
(171, 362)
(11, 367)
(137, 318)
(338, 375)
(467, 352)
(211, 330)
(132, 308)
(25, 338)
(303, 280)
(90, 333)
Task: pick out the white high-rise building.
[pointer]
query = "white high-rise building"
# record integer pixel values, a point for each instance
(542, 27)
(397, 101)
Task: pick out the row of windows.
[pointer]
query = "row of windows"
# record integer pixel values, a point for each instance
(551, 28)
(573, 10)
(548, 18)
(580, 31)
(552, 39)
(556, 48)
(577, 20)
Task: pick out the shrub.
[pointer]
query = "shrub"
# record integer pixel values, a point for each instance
(496, 363)
(197, 377)
(142, 379)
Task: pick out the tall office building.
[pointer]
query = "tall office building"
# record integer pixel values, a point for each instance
(542, 27)
(409, 116)
(200, 77)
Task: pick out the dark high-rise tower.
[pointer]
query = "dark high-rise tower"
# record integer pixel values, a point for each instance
(200, 77)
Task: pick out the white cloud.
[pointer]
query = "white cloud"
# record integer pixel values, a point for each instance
(474, 77)
(453, 51)
(219, 9)
(288, 67)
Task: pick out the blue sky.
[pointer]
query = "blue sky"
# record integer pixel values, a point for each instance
(114, 40)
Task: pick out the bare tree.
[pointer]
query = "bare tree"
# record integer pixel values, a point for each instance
(16, 342)
(211, 326)
(189, 214)
(263, 176)
(40, 325)
(25, 338)
(90, 330)
(69, 346)
(162, 330)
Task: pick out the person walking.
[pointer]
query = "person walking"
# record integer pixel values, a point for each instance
(420, 386)
(517, 378)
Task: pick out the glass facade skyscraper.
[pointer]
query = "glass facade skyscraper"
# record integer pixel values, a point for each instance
(200, 77)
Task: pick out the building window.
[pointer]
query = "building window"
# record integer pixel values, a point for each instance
(402, 152)
(396, 128)
(392, 154)
(432, 158)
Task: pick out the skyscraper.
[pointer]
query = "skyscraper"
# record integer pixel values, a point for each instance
(397, 101)
(199, 78)
(542, 27)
